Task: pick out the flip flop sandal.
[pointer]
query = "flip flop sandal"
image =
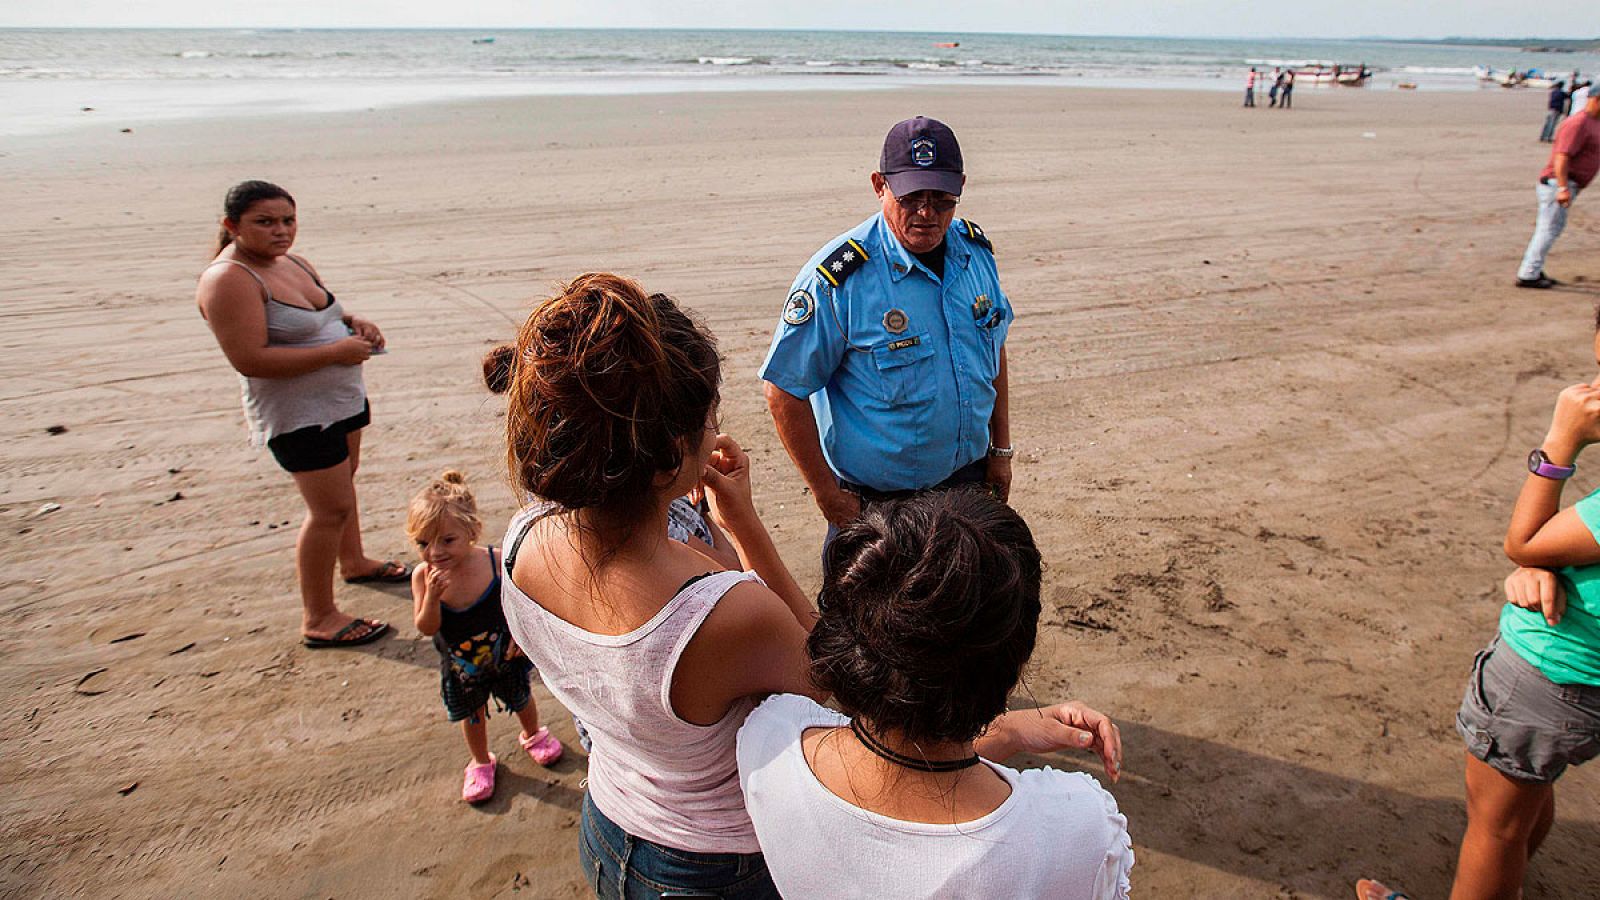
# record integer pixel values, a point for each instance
(478, 785)
(387, 572)
(543, 746)
(1363, 884)
(342, 638)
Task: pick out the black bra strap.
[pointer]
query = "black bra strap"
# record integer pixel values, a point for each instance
(510, 554)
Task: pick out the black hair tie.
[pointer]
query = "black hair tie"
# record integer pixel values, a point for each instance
(909, 762)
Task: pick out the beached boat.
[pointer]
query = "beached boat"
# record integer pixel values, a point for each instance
(1354, 77)
(1315, 75)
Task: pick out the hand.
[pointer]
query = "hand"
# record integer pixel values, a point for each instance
(1064, 725)
(1539, 590)
(726, 482)
(513, 651)
(438, 581)
(1575, 423)
(999, 477)
(839, 506)
(352, 351)
(364, 329)
(1563, 196)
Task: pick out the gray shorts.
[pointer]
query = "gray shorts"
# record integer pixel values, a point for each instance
(1523, 725)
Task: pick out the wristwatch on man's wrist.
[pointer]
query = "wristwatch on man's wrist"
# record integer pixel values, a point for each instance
(1540, 464)
(1001, 452)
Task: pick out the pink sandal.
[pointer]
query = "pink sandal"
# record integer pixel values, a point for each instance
(479, 783)
(542, 746)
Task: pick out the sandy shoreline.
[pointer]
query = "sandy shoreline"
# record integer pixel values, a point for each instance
(1271, 390)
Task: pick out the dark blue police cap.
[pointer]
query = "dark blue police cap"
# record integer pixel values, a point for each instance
(921, 154)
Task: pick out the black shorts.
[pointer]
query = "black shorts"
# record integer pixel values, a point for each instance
(312, 448)
(509, 686)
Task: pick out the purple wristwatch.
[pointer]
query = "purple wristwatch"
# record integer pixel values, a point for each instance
(1540, 465)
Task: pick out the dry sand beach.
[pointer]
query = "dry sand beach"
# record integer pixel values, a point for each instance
(1272, 390)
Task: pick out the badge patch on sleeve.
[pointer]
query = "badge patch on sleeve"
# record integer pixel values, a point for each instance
(798, 308)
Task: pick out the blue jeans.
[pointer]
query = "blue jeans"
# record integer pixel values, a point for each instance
(1552, 219)
(619, 866)
(1551, 120)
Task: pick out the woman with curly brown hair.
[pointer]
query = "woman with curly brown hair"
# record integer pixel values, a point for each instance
(610, 417)
(930, 612)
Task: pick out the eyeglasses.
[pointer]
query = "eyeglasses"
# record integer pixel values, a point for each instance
(936, 202)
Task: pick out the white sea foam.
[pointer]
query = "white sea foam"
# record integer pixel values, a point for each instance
(1437, 70)
(726, 60)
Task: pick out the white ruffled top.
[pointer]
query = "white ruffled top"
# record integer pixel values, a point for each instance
(1058, 835)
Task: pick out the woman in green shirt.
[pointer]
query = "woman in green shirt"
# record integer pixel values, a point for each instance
(1532, 705)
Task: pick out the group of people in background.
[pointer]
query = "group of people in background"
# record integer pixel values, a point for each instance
(1281, 92)
(1563, 101)
(640, 583)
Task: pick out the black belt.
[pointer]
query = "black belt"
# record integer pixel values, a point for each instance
(971, 473)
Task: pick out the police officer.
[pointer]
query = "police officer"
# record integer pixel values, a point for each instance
(887, 374)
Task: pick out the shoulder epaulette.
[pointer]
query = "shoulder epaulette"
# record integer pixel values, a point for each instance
(845, 259)
(973, 232)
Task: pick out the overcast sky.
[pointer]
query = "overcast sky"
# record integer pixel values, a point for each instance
(1197, 18)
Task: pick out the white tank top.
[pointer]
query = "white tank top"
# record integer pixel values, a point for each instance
(657, 776)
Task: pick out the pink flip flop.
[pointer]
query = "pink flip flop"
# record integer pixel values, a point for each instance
(479, 783)
(542, 746)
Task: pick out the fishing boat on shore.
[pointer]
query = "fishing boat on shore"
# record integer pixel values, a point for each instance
(1353, 77)
(1331, 73)
(1315, 73)
(1530, 78)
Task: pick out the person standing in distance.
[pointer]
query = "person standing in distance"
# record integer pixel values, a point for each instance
(887, 373)
(1573, 162)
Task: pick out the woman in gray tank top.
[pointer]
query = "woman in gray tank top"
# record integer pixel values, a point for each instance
(299, 356)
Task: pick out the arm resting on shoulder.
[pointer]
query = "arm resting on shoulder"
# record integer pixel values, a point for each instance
(1051, 728)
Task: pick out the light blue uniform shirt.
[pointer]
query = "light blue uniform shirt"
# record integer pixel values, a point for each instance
(901, 401)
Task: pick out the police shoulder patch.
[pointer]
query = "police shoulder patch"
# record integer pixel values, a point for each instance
(798, 308)
(975, 234)
(845, 259)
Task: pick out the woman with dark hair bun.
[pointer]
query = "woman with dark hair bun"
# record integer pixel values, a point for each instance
(299, 355)
(653, 645)
(930, 613)
(688, 518)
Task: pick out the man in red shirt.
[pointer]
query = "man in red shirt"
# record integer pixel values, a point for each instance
(1573, 163)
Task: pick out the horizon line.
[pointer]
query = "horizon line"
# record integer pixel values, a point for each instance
(1510, 40)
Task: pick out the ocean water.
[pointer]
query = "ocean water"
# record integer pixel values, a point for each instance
(48, 76)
